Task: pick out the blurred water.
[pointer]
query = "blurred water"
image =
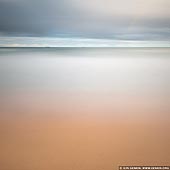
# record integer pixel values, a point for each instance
(101, 78)
(124, 70)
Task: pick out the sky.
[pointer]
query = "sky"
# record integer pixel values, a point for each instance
(123, 20)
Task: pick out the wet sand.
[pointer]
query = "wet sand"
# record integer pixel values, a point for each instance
(51, 144)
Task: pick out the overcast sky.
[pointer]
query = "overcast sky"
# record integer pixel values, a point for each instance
(106, 19)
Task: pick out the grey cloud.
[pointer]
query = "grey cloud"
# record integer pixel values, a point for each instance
(32, 17)
(74, 18)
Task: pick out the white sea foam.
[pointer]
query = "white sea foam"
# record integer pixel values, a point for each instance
(76, 42)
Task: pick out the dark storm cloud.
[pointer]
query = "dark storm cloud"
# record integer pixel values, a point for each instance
(97, 19)
(31, 17)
